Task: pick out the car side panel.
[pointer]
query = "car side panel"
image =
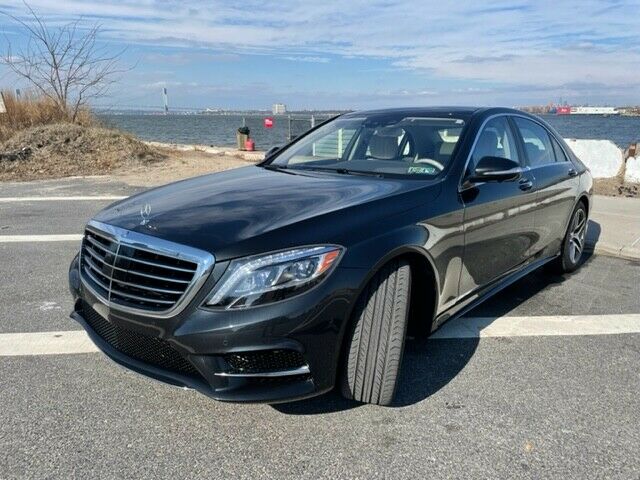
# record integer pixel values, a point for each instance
(557, 191)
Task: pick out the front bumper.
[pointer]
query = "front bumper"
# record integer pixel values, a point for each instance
(201, 348)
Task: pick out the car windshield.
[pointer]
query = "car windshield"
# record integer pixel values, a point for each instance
(410, 146)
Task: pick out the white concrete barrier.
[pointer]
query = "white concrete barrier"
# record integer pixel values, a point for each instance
(632, 172)
(603, 157)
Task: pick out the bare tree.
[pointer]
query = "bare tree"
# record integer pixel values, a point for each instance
(64, 63)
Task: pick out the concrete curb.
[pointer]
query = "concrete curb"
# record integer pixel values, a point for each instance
(610, 251)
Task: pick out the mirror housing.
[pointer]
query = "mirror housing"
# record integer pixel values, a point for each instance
(496, 169)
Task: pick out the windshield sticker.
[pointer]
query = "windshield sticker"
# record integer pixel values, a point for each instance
(428, 170)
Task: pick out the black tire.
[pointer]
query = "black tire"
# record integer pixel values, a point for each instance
(574, 241)
(374, 351)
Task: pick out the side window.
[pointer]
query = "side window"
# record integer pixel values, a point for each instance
(332, 145)
(537, 143)
(495, 140)
(560, 155)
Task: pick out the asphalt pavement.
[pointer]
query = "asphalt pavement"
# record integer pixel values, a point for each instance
(531, 405)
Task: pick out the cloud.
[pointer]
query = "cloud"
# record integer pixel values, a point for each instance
(509, 44)
(307, 59)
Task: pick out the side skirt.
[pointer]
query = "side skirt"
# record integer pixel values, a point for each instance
(461, 308)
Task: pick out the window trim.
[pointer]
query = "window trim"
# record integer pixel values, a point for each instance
(524, 167)
(522, 142)
(552, 137)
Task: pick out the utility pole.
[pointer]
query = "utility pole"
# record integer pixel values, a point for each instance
(166, 100)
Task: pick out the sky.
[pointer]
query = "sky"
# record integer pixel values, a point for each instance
(354, 54)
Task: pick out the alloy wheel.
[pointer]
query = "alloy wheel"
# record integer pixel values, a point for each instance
(577, 234)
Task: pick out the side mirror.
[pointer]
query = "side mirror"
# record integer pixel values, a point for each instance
(271, 152)
(496, 169)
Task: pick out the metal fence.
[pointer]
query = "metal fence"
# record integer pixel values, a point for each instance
(299, 124)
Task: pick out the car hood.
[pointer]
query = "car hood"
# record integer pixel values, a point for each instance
(220, 212)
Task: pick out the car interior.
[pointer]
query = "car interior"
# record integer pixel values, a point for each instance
(415, 146)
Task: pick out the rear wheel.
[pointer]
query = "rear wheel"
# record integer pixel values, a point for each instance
(374, 351)
(574, 240)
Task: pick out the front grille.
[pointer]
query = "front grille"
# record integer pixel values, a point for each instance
(264, 361)
(134, 276)
(151, 350)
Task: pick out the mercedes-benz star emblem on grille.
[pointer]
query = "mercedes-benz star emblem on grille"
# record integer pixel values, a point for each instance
(145, 212)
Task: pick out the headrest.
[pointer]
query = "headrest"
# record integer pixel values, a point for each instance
(383, 148)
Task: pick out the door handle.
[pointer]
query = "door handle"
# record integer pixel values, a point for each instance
(572, 172)
(525, 184)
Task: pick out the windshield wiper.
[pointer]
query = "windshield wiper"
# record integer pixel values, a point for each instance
(272, 166)
(342, 171)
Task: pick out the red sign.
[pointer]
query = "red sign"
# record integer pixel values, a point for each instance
(268, 122)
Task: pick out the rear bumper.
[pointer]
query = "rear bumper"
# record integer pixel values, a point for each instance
(310, 327)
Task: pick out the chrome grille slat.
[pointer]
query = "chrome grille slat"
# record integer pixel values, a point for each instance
(154, 264)
(95, 267)
(98, 282)
(138, 273)
(98, 244)
(95, 255)
(151, 289)
(154, 277)
(143, 299)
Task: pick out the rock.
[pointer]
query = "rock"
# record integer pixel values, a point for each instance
(632, 172)
(22, 154)
(602, 157)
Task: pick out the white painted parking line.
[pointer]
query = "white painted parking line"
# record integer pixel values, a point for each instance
(39, 238)
(45, 343)
(77, 341)
(474, 327)
(61, 199)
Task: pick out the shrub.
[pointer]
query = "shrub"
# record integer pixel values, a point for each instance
(31, 110)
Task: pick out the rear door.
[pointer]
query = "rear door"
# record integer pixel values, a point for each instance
(556, 184)
(498, 216)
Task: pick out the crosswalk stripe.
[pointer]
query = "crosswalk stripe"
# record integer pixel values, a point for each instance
(40, 238)
(484, 327)
(76, 198)
(77, 341)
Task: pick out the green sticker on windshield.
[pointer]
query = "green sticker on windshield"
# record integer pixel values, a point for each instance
(427, 170)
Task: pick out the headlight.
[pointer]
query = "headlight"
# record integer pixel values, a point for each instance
(272, 277)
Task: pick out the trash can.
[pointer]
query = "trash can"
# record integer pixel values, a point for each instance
(242, 135)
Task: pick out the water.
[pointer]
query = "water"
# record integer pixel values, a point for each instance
(211, 129)
(620, 130)
(220, 129)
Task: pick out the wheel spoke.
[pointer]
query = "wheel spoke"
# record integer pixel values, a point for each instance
(579, 223)
(578, 242)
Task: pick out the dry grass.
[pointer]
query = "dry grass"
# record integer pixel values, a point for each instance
(38, 140)
(30, 111)
(64, 149)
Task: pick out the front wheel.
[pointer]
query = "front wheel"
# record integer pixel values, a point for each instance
(374, 351)
(574, 240)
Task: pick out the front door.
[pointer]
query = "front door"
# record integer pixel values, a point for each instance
(498, 216)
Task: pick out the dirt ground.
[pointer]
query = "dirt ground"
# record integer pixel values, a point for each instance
(615, 187)
(177, 165)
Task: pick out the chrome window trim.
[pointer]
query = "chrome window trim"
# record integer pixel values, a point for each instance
(524, 167)
(473, 147)
(204, 261)
(278, 373)
(553, 137)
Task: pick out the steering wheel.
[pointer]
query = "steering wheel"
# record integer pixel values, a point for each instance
(429, 161)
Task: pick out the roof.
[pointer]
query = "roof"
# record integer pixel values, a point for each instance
(419, 111)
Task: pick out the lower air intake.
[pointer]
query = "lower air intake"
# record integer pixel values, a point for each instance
(151, 350)
(264, 361)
